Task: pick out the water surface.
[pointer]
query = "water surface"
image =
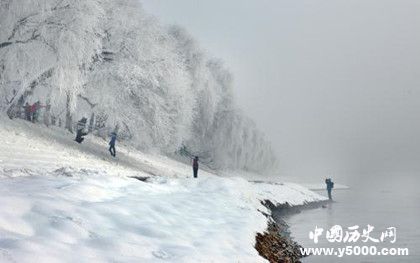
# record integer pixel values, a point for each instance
(379, 203)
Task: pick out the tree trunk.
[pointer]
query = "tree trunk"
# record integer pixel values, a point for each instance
(15, 108)
(69, 117)
(47, 114)
(91, 122)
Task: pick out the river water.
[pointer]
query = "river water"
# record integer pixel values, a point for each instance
(381, 203)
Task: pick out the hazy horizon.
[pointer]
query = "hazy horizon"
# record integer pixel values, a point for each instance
(333, 84)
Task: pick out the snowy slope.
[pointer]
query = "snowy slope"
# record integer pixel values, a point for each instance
(64, 202)
(28, 149)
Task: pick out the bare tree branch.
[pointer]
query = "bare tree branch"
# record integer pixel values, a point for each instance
(91, 104)
(5, 44)
(17, 102)
(20, 22)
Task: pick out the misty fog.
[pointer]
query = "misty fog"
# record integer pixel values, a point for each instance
(335, 85)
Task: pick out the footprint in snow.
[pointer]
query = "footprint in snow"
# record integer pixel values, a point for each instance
(161, 254)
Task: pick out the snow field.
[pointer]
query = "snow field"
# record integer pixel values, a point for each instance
(93, 218)
(65, 202)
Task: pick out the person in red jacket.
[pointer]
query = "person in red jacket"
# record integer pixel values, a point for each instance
(33, 112)
(195, 166)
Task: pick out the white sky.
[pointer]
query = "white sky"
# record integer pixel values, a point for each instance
(335, 84)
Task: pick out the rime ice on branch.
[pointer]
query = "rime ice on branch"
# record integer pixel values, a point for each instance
(110, 62)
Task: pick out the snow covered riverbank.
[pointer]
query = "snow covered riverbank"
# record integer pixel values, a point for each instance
(62, 202)
(94, 218)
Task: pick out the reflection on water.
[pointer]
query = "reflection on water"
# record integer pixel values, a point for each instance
(380, 204)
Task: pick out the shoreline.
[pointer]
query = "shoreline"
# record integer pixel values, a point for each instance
(276, 244)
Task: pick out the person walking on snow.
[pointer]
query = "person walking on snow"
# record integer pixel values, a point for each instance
(112, 144)
(195, 166)
(330, 186)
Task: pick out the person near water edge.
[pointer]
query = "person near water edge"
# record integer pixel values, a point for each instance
(330, 186)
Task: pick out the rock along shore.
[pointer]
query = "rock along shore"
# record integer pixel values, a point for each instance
(276, 244)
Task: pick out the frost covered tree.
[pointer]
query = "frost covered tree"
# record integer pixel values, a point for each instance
(220, 132)
(144, 79)
(109, 61)
(44, 47)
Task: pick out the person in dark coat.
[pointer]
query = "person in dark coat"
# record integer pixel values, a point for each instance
(330, 186)
(195, 166)
(81, 125)
(112, 144)
(28, 114)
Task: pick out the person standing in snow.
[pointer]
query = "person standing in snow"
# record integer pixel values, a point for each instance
(28, 112)
(32, 112)
(37, 110)
(330, 186)
(81, 125)
(195, 166)
(112, 144)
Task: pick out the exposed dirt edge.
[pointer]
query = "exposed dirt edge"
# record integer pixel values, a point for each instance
(275, 244)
